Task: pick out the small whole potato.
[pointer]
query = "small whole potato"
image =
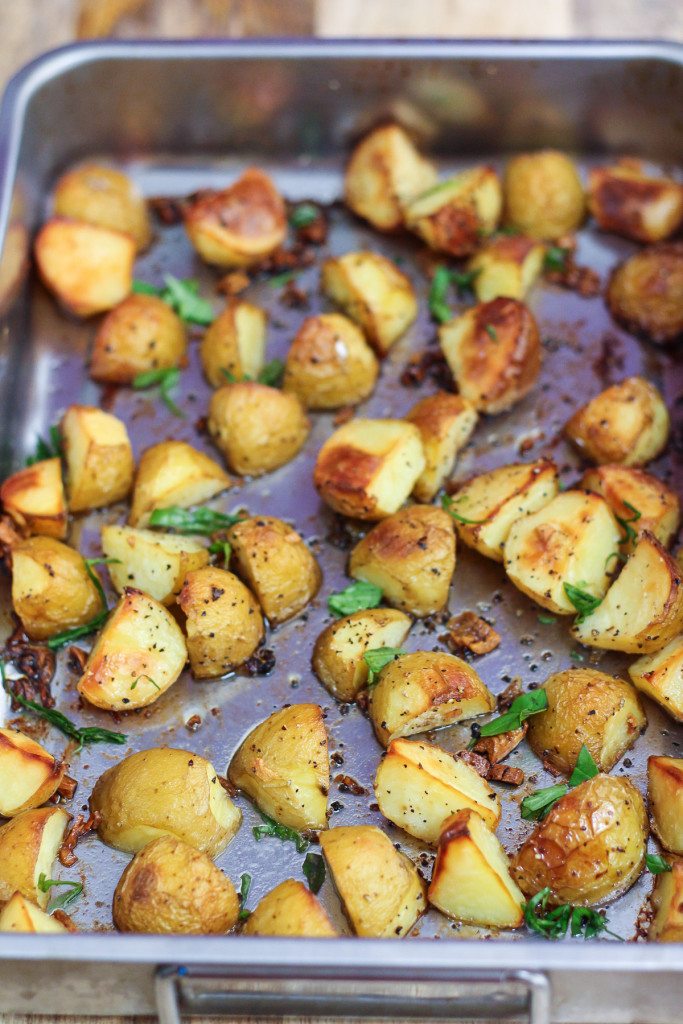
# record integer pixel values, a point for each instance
(106, 197)
(224, 625)
(330, 363)
(174, 473)
(234, 344)
(290, 909)
(645, 293)
(169, 887)
(34, 498)
(257, 428)
(627, 424)
(543, 193)
(142, 333)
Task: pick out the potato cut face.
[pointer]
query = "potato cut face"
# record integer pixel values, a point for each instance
(543, 194)
(20, 915)
(234, 345)
(667, 900)
(34, 497)
(418, 786)
(289, 909)
(156, 563)
(454, 216)
(632, 204)
(507, 266)
(665, 797)
(141, 333)
(174, 473)
(643, 293)
(329, 363)
(224, 624)
(567, 541)
(640, 499)
(29, 775)
(105, 197)
(28, 849)
(627, 424)
(338, 658)
(660, 676)
(99, 458)
(445, 422)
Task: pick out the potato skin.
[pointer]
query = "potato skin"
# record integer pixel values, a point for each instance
(586, 707)
(338, 653)
(99, 457)
(224, 624)
(667, 901)
(627, 424)
(591, 846)
(21, 915)
(174, 473)
(445, 422)
(29, 775)
(543, 194)
(35, 499)
(234, 344)
(657, 505)
(624, 200)
(644, 293)
(106, 197)
(171, 888)
(28, 848)
(665, 797)
(256, 427)
(290, 909)
(141, 333)
(329, 363)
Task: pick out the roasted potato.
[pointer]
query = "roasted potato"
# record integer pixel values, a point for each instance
(624, 200)
(276, 565)
(283, 766)
(418, 786)
(506, 267)
(543, 194)
(98, 455)
(643, 609)
(471, 877)
(570, 540)
(156, 563)
(224, 624)
(660, 677)
(256, 427)
(329, 363)
(89, 269)
(591, 846)
(455, 215)
(289, 909)
(445, 422)
(234, 345)
(367, 468)
(494, 353)
(164, 792)
(240, 225)
(105, 197)
(29, 776)
(374, 292)
(644, 293)
(51, 588)
(586, 708)
(426, 690)
(138, 655)
(28, 848)
(338, 658)
(174, 473)
(665, 797)
(20, 915)
(640, 500)
(667, 902)
(380, 889)
(411, 557)
(34, 497)
(169, 887)
(141, 333)
(627, 424)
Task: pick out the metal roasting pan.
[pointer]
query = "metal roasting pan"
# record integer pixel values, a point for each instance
(180, 116)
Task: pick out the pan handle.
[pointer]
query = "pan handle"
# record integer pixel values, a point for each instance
(457, 996)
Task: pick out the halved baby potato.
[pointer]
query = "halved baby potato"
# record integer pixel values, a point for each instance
(445, 422)
(29, 775)
(174, 473)
(665, 796)
(624, 200)
(106, 197)
(290, 909)
(98, 455)
(506, 266)
(644, 293)
(667, 901)
(641, 500)
(627, 424)
(543, 194)
(224, 624)
(338, 658)
(329, 363)
(34, 497)
(141, 333)
(29, 844)
(21, 915)
(660, 676)
(234, 345)
(455, 215)
(257, 428)
(156, 563)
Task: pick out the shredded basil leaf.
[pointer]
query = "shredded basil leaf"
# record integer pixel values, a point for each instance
(547, 620)
(447, 504)
(438, 291)
(522, 707)
(74, 891)
(281, 279)
(303, 215)
(630, 535)
(555, 258)
(314, 870)
(553, 924)
(535, 806)
(355, 598)
(271, 373)
(584, 602)
(182, 296)
(83, 736)
(166, 380)
(221, 547)
(378, 659)
(51, 449)
(245, 886)
(492, 332)
(584, 769)
(202, 521)
(278, 831)
(655, 864)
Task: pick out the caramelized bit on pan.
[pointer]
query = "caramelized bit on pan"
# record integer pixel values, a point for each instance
(497, 748)
(470, 632)
(81, 827)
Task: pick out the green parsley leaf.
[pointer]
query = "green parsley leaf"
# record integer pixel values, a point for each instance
(553, 924)
(184, 298)
(303, 215)
(555, 258)
(378, 659)
(584, 769)
(492, 332)
(584, 602)
(278, 831)
(166, 380)
(74, 891)
(245, 886)
(314, 870)
(522, 707)
(655, 864)
(535, 806)
(203, 520)
(271, 373)
(355, 598)
(447, 504)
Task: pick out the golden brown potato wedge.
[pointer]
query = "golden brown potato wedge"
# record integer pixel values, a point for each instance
(627, 424)
(667, 902)
(98, 455)
(624, 200)
(506, 266)
(224, 623)
(338, 658)
(234, 345)
(20, 915)
(29, 775)
(141, 333)
(543, 194)
(329, 363)
(639, 499)
(34, 497)
(28, 848)
(156, 563)
(644, 293)
(256, 427)
(660, 676)
(290, 909)
(174, 473)
(106, 197)
(665, 797)
(445, 422)
(455, 215)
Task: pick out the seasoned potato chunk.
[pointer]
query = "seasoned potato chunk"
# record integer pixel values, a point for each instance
(174, 473)
(156, 563)
(445, 422)
(164, 792)
(373, 292)
(106, 197)
(455, 215)
(426, 690)
(257, 428)
(627, 424)
(494, 353)
(330, 363)
(586, 708)
(20, 915)
(543, 194)
(338, 658)
(234, 345)
(34, 497)
(643, 609)
(630, 203)
(380, 889)
(141, 333)
(471, 878)
(367, 468)
(665, 796)
(645, 292)
(28, 849)
(240, 225)
(660, 676)
(51, 588)
(283, 767)
(667, 902)
(88, 268)
(643, 502)
(99, 458)
(274, 562)
(411, 557)
(29, 776)
(507, 266)
(290, 909)
(224, 624)
(570, 541)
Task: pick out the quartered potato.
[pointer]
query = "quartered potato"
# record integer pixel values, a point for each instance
(627, 424)
(233, 347)
(88, 268)
(665, 797)
(164, 792)
(385, 170)
(290, 909)
(174, 473)
(338, 658)
(660, 676)
(34, 497)
(29, 775)
(98, 455)
(455, 215)
(154, 562)
(138, 655)
(418, 786)
(506, 266)
(141, 333)
(372, 291)
(543, 194)
(256, 427)
(426, 690)
(642, 501)
(644, 293)
(224, 623)
(51, 588)
(20, 915)
(29, 844)
(586, 708)
(380, 889)
(445, 422)
(106, 197)
(410, 556)
(276, 565)
(283, 766)
(667, 902)
(494, 353)
(367, 468)
(170, 887)
(471, 877)
(630, 203)
(240, 225)
(643, 609)
(590, 848)
(570, 540)
(329, 363)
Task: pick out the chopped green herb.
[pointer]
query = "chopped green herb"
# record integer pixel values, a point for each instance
(577, 656)
(83, 736)
(70, 635)
(271, 373)
(555, 258)
(89, 563)
(303, 215)
(615, 554)
(144, 676)
(281, 279)
(51, 449)
(655, 864)
(378, 659)
(230, 376)
(74, 891)
(492, 332)
(442, 280)
(184, 298)
(447, 504)
(535, 806)
(166, 381)
(221, 547)
(354, 598)
(630, 535)
(314, 870)
(553, 924)
(522, 707)
(547, 620)
(508, 229)
(245, 886)
(584, 769)
(203, 520)
(142, 288)
(283, 832)
(584, 602)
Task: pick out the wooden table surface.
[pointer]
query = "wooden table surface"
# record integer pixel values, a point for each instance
(30, 27)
